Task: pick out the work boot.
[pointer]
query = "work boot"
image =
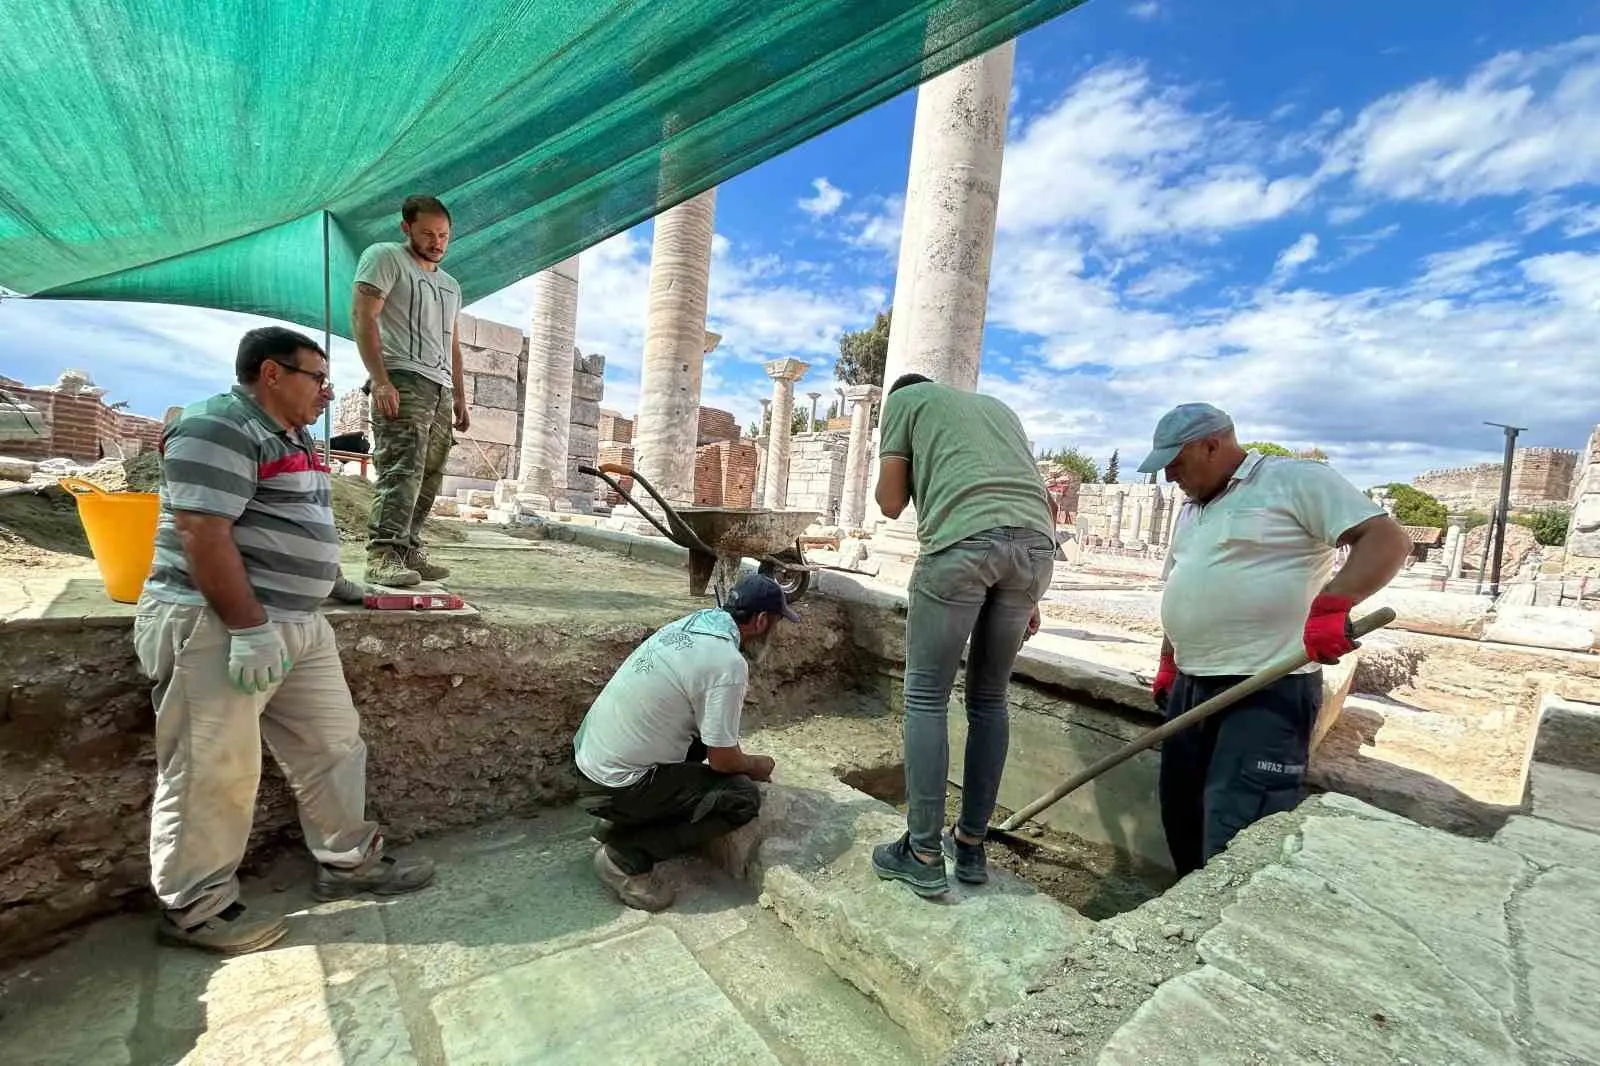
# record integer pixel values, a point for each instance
(417, 559)
(899, 862)
(386, 566)
(638, 891)
(229, 932)
(972, 866)
(382, 876)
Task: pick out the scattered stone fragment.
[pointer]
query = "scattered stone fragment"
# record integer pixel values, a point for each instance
(1171, 931)
(1036, 830)
(1008, 1055)
(991, 1019)
(1124, 940)
(1063, 1027)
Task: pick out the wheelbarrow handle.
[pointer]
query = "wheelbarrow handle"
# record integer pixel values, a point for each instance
(680, 534)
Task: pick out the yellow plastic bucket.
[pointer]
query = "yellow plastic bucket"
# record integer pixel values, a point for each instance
(121, 527)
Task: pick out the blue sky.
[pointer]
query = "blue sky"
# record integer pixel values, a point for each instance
(1368, 227)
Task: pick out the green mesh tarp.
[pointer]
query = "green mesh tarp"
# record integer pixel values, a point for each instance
(202, 151)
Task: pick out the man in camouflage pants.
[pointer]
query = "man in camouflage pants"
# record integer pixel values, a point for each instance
(404, 316)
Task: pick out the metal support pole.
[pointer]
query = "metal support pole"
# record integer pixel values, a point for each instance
(1483, 556)
(1505, 503)
(327, 340)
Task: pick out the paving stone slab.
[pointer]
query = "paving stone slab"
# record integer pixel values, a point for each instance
(1550, 843)
(1561, 794)
(661, 1007)
(1559, 944)
(1209, 1018)
(805, 1012)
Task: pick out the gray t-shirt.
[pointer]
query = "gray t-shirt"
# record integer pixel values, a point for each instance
(418, 322)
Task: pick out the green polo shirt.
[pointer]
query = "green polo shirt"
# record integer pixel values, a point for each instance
(971, 467)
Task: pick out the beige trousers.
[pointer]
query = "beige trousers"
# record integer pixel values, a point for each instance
(208, 755)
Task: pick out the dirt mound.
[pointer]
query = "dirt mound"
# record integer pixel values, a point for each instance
(1520, 544)
(352, 507)
(143, 472)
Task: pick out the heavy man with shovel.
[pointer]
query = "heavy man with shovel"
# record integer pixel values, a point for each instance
(1248, 586)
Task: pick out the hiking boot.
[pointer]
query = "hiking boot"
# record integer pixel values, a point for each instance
(417, 559)
(383, 876)
(972, 866)
(229, 932)
(898, 862)
(388, 567)
(635, 890)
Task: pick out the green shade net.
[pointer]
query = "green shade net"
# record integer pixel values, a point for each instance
(212, 152)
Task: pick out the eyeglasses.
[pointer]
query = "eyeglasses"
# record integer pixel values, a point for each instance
(319, 376)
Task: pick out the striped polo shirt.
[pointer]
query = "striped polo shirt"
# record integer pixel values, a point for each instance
(226, 456)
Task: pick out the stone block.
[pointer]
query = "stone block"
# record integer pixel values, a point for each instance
(492, 390)
(505, 493)
(585, 413)
(1562, 794)
(1444, 614)
(484, 361)
(470, 459)
(466, 330)
(1568, 734)
(16, 469)
(1336, 681)
(589, 388)
(499, 337)
(492, 425)
(1566, 628)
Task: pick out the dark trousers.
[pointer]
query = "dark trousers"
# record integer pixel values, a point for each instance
(1236, 767)
(672, 809)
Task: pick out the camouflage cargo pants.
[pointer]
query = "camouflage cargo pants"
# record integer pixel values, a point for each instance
(409, 454)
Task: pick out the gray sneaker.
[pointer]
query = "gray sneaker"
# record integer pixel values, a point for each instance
(383, 876)
(972, 865)
(387, 567)
(229, 932)
(417, 559)
(638, 891)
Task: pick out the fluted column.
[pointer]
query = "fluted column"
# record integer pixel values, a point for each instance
(547, 396)
(784, 373)
(858, 456)
(1117, 498)
(674, 347)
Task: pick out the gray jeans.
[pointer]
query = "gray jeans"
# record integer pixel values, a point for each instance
(983, 588)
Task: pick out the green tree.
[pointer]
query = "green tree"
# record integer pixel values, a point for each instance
(1074, 461)
(1549, 524)
(1413, 507)
(1111, 468)
(863, 352)
(1267, 447)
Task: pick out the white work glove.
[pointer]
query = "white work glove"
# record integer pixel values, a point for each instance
(257, 658)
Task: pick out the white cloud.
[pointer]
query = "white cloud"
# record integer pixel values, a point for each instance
(827, 200)
(1521, 122)
(1574, 220)
(1295, 256)
(1145, 10)
(1128, 159)
(876, 229)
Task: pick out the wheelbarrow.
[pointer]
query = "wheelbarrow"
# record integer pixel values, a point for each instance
(719, 539)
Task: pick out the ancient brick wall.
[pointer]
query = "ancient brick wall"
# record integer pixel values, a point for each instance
(352, 414)
(615, 453)
(725, 474)
(1582, 558)
(79, 424)
(615, 429)
(1539, 477)
(716, 425)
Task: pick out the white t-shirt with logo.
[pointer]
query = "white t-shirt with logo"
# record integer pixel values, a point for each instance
(687, 680)
(1243, 569)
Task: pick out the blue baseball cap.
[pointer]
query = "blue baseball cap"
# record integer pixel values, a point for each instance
(1184, 423)
(759, 594)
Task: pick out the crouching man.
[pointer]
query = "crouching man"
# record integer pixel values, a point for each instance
(659, 749)
(229, 628)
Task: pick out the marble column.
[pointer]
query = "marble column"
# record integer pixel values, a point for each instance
(858, 456)
(1454, 539)
(547, 396)
(784, 373)
(1177, 498)
(675, 342)
(765, 424)
(941, 285)
(811, 426)
(1138, 536)
(1115, 539)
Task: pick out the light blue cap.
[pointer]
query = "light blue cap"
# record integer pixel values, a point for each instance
(1179, 426)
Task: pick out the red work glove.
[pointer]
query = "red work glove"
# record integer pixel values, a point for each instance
(1327, 634)
(1165, 676)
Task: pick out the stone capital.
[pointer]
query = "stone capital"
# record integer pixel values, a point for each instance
(813, 395)
(712, 340)
(787, 369)
(862, 393)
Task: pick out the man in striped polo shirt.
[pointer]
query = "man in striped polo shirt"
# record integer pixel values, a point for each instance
(229, 629)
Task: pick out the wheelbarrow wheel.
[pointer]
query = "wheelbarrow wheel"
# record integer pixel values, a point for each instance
(793, 582)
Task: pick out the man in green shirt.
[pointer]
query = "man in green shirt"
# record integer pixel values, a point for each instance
(988, 550)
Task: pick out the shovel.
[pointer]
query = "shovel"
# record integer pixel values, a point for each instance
(1192, 717)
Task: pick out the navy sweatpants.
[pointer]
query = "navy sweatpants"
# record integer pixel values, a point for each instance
(1235, 768)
